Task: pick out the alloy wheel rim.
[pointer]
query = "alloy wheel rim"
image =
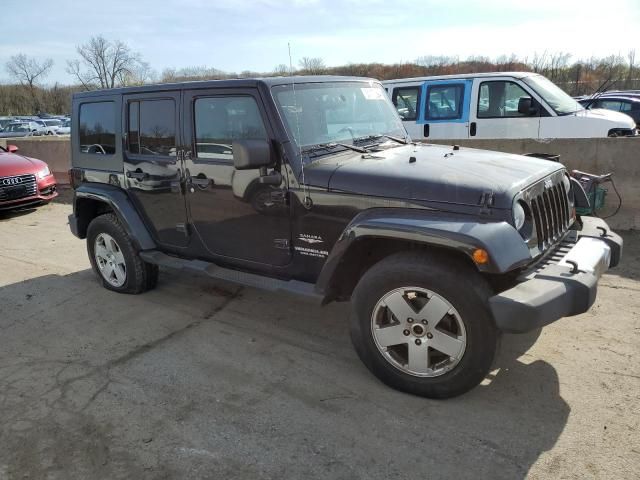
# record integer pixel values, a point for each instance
(418, 331)
(110, 260)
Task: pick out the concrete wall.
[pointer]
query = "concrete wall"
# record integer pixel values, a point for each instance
(596, 155)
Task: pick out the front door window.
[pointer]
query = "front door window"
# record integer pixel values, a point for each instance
(499, 99)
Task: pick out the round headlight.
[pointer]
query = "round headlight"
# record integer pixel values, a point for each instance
(518, 216)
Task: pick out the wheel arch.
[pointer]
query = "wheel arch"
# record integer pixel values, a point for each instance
(91, 201)
(376, 234)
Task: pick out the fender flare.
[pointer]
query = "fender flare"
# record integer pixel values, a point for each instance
(506, 248)
(120, 203)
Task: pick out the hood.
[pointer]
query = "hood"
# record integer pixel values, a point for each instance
(620, 120)
(12, 164)
(438, 174)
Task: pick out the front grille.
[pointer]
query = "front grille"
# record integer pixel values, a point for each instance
(17, 186)
(550, 212)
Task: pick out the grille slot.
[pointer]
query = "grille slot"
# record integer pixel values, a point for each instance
(25, 184)
(550, 211)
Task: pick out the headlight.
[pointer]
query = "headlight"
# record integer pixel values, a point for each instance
(44, 172)
(519, 216)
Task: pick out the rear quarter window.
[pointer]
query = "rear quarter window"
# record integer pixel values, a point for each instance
(97, 128)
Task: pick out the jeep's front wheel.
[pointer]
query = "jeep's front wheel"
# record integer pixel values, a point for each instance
(422, 324)
(114, 258)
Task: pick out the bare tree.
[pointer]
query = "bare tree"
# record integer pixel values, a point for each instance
(28, 72)
(107, 64)
(312, 65)
(281, 70)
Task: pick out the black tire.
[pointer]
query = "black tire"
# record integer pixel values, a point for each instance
(140, 276)
(454, 280)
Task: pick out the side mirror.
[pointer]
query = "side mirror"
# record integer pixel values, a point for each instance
(12, 148)
(525, 106)
(249, 154)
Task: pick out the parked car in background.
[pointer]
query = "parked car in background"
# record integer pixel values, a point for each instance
(616, 103)
(34, 126)
(64, 128)
(498, 105)
(624, 93)
(51, 125)
(24, 181)
(4, 121)
(20, 129)
(43, 127)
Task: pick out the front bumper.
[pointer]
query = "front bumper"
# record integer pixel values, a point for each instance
(46, 191)
(559, 288)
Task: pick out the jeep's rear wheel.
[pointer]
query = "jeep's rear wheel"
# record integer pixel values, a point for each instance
(114, 258)
(422, 324)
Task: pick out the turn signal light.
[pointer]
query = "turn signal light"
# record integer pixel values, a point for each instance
(480, 256)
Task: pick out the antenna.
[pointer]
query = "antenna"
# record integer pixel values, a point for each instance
(306, 200)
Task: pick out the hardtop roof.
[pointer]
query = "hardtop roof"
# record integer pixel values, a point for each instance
(228, 83)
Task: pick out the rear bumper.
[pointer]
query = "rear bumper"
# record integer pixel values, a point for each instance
(562, 289)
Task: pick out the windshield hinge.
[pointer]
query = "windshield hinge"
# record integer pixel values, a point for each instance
(487, 200)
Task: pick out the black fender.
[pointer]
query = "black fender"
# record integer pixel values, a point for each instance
(506, 248)
(118, 201)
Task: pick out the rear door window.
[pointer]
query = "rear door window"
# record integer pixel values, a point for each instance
(97, 130)
(152, 127)
(444, 102)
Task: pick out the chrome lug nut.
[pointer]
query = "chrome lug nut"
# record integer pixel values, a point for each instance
(410, 320)
(424, 322)
(406, 332)
(429, 335)
(418, 341)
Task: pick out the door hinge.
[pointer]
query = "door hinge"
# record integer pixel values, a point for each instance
(281, 243)
(183, 228)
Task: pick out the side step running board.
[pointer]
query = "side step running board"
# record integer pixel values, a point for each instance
(242, 278)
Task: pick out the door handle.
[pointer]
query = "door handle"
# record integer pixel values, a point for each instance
(426, 130)
(472, 129)
(138, 175)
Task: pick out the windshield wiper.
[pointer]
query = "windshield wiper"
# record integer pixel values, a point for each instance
(599, 92)
(331, 146)
(381, 135)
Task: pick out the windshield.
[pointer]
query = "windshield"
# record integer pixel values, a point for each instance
(334, 113)
(557, 98)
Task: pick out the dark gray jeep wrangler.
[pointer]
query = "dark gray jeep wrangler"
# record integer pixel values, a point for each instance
(311, 185)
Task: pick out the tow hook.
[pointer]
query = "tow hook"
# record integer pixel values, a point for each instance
(603, 230)
(575, 268)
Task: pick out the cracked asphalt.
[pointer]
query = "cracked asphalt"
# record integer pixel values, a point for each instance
(202, 379)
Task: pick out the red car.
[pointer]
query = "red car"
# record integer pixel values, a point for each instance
(24, 181)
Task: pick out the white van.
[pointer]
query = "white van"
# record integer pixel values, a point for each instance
(498, 105)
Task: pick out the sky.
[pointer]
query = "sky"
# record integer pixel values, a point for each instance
(235, 36)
